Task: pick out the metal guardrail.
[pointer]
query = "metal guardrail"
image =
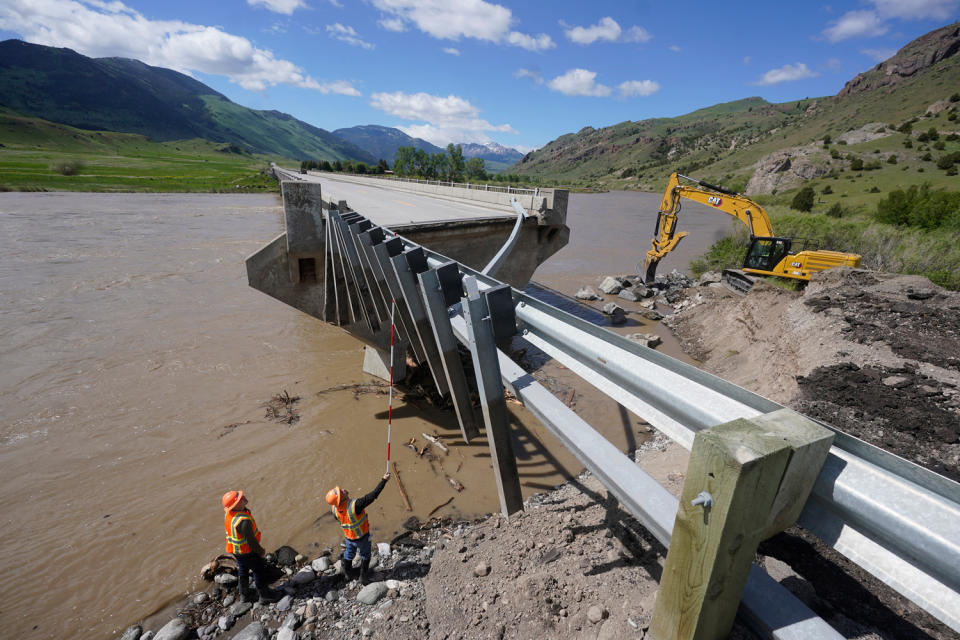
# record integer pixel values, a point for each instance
(895, 519)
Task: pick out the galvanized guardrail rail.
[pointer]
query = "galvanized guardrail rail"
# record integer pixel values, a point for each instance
(896, 520)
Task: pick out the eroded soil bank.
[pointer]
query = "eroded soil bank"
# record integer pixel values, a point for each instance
(875, 355)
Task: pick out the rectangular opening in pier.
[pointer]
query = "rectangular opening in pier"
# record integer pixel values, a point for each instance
(308, 270)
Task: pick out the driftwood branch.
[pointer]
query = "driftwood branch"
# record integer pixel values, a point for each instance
(403, 493)
(440, 506)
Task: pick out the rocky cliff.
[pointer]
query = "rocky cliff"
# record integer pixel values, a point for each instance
(922, 53)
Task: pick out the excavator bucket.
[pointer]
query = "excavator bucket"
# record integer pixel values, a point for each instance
(650, 271)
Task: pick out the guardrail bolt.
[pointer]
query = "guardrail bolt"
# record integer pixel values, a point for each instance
(703, 498)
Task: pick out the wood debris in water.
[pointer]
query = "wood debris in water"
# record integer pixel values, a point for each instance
(412, 445)
(281, 408)
(435, 440)
(360, 388)
(455, 484)
(230, 427)
(403, 492)
(440, 506)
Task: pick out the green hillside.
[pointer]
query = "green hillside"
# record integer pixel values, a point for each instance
(118, 94)
(37, 155)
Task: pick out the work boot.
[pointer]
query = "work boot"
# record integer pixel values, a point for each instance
(268, 595)
(349, 573)
(365, 571)
(244, 591)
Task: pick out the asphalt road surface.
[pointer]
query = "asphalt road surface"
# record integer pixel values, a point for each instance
(386, 206)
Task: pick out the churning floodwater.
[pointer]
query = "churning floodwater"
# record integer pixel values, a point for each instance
(135, 363)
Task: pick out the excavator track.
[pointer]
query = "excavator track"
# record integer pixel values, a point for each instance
(737, 281)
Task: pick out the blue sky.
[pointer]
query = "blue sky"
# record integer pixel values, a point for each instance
(516, 73)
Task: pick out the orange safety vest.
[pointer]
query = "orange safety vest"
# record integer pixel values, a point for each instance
(354, 527)
(236, 543)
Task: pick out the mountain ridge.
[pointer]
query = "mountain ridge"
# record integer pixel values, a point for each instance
(129, 96)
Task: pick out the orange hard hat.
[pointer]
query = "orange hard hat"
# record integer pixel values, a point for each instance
(333, 497)
(231, 499)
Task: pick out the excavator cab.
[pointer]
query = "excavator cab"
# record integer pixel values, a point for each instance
(766, 253)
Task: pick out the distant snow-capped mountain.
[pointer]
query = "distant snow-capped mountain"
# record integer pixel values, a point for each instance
(491, 152)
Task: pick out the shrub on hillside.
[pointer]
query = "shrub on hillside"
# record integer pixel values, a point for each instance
(804, 199)
(837, 210)
(948, 160)
(920, 207)
(67, 167)
(856, 164)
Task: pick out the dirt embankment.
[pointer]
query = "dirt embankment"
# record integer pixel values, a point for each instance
(875, 355)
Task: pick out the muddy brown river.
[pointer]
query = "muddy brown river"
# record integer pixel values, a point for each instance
(135, 365)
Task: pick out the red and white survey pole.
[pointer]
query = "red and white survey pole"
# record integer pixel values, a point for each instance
(393, 307)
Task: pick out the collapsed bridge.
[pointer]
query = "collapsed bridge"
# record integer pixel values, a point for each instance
(893, 518)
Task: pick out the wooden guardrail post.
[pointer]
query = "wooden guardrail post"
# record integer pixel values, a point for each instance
(746, 480)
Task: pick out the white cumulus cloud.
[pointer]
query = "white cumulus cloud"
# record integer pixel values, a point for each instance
(455, 19)
(579, 82)
(452, 51)
(606, 30)
(856, 24)
(787, 73)
(869, 23)
(100, 29)
(638, 88)
(441, 119)
(534, 75)
(286, 7)
(347, 34)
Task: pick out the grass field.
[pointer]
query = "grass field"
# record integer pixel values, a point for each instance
(36, 155)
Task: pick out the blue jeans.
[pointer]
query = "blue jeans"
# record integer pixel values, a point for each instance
(361, 545)
(253, 563)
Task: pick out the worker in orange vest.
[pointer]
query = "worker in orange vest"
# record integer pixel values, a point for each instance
(243, 541)
(353, 520)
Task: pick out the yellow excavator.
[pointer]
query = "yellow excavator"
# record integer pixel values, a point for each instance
(767, 255)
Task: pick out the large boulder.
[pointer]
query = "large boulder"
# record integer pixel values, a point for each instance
(586, 293)
(616, 313)
(132, 633)
(371, 593)
(611, 286)
(253, 631)
(176, 629)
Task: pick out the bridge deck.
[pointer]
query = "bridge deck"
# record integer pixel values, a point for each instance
(386, 206)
